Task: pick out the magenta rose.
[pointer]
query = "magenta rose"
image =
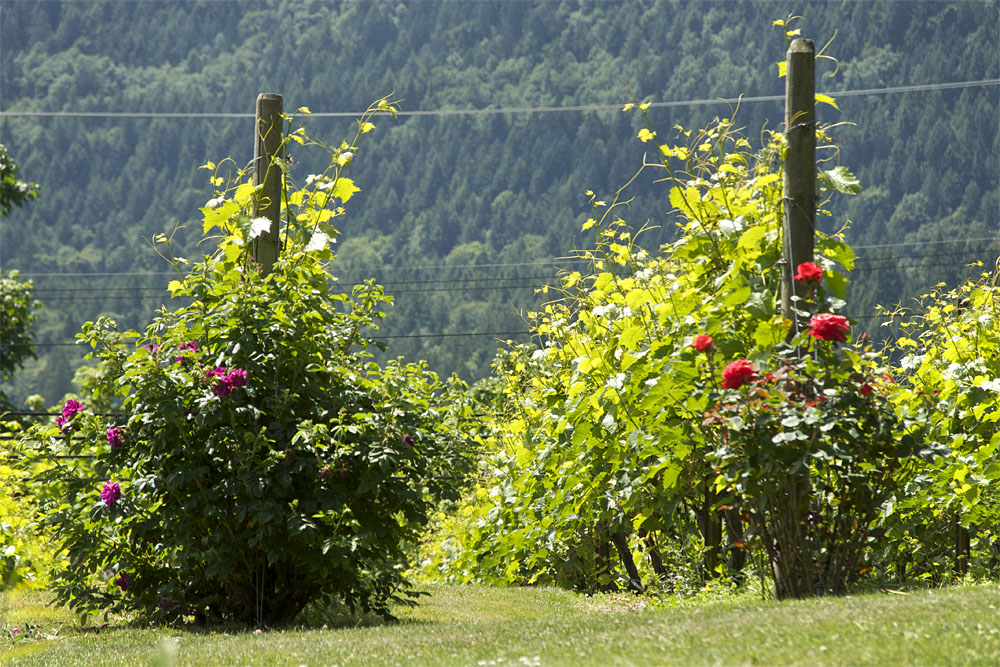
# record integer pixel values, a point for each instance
(114, 435)
(111, 493)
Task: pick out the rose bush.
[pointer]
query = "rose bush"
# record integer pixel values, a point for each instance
(264, 461)
(602, 449)
(810, 455)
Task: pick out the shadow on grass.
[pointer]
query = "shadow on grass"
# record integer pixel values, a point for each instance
(31, 617)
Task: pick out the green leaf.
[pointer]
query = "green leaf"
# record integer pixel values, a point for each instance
(767, 333)
(760, 305)
(826, 99)
(345, 189)
(243, 193)
(631, 336)
(837, 284)
(752, 236)
(838, 251)
(840, 179)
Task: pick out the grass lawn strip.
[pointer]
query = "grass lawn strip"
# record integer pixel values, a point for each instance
(491, 626)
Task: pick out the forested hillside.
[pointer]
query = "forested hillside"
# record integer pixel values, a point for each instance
(461, 215)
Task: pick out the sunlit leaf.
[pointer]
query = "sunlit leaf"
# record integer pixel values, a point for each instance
(345, 189)
(826, 99)
(840, 179)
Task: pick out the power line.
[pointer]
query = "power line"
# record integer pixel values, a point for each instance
(888, 90)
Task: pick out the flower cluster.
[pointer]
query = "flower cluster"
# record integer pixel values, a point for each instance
(122, 581)
(111, 493)
(68, 412)
(191, 347)
(114, 435)
(228, 381)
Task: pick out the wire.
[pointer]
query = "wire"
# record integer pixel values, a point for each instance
(889, 267)
(909, 243)
(131, 291)
(459, 334)
(157, 292)
(455, 335)
(895, 258)
(550, 262)
(445, 267)
(510, 110)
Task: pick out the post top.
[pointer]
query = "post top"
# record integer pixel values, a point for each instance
(801, 46)
(268, 96)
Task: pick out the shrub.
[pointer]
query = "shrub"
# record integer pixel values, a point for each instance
(809, 451)
(947, 518)
(262, 461)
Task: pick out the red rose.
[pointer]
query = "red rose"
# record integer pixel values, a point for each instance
(702, 342)
(866, 389)
(827, 326)
(738, 373)
(808, 271)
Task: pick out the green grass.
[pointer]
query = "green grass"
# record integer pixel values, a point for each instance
(484, 626)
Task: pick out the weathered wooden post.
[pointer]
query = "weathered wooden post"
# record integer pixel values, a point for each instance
(266, 146)
(799, 202)
(799, 225)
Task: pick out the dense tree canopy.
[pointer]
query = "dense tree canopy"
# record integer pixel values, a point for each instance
(500, 192)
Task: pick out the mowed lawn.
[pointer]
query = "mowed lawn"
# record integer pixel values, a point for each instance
(471, 625)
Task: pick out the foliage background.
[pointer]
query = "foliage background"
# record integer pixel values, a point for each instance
(461, 190)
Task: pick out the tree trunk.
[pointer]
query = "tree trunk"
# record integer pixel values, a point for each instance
(602, 560)
(625, 554)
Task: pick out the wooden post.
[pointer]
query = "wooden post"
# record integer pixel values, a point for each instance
(799, 202)
(267, 146)
(799, 206)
